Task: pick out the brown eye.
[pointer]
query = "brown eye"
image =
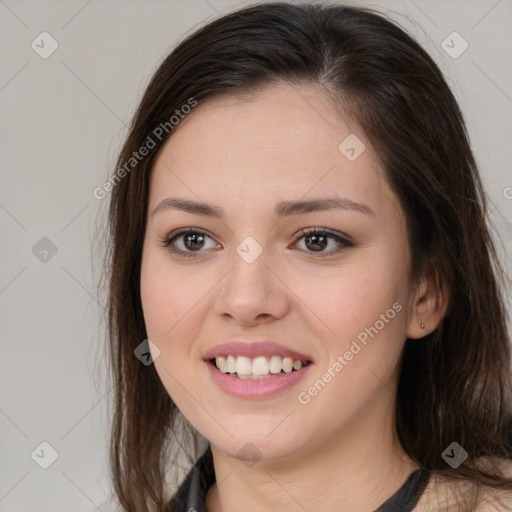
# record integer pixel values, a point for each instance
(187, 241)
(317, 240)
(193, 241)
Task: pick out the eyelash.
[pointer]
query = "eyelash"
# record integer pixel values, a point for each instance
(303, 232)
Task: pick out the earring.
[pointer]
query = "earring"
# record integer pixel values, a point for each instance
(422, 326)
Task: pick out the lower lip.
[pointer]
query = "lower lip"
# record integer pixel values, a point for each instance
(256, 388)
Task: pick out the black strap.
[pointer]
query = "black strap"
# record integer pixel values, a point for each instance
(407, 497)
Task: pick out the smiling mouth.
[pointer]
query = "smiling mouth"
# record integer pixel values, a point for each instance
(261, 367)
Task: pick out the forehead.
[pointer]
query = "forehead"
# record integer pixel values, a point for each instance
(283, 142)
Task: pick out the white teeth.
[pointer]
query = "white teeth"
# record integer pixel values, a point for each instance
(231, 365)
(259, 367)
(222, 364)
(287, 364)
(243, 365)
(275, 364)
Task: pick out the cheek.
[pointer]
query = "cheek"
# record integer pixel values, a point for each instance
(364, 308)
(171, 305)
(353, 297)
(170, 298)
(157, 301)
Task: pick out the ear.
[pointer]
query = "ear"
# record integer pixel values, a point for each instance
(429, 305)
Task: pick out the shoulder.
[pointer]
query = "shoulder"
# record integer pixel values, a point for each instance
(447, 495)
(493, 500)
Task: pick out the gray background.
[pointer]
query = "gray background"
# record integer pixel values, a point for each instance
(62, 121)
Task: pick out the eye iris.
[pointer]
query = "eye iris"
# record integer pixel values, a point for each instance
(195, 237)
(315, 239)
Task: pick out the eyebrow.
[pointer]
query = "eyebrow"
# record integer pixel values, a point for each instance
(282, 209)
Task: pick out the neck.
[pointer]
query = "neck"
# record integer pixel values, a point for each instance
(363, 459)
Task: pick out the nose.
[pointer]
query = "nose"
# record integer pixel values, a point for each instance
(252, 293)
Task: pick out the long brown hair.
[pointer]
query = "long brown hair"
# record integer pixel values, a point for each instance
(455, 384)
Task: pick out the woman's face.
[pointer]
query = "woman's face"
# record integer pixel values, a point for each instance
(250, 274)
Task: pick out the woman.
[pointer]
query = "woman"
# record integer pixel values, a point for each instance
(302, 277)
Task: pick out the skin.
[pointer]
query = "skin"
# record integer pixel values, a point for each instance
(245, 155)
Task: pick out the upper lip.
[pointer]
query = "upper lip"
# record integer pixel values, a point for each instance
(254, 349)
